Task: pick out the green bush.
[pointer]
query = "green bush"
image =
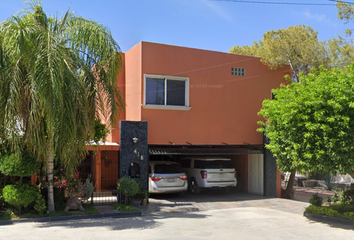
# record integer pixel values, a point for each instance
(19, 166)
(2, 202)
(323, 211)
(20, 195)
(342, 208)
(128, 187)
(349, 215)
(87, 188)
(348, 196)
(316, 200)
(40, 205)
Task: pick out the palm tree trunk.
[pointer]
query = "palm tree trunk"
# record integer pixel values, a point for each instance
(50, 168)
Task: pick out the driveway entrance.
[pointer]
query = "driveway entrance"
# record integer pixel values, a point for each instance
(218, 199)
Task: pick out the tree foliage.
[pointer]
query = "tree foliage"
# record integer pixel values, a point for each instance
(346, 13)
(297, 46)
(56, 76)
(340, 51)
(23, 165)
(311, 125)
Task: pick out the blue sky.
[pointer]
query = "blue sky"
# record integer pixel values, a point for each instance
(205, 24)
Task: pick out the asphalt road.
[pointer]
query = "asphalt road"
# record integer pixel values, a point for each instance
(233, 223)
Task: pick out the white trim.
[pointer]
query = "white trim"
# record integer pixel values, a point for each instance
(92, 143)
(166, 107)
(169, 107)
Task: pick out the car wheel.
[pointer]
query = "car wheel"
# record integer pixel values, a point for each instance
(193, 186)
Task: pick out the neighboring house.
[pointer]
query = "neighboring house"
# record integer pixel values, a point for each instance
(196, 102)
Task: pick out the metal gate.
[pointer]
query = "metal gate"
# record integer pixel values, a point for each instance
(102, 169)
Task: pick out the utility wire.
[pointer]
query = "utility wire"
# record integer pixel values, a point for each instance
(285, 3)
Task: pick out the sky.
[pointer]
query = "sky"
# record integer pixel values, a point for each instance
(215, 25)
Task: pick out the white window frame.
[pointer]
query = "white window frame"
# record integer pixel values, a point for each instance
(186, 106)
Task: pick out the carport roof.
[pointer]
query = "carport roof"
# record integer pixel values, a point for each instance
(210, 150)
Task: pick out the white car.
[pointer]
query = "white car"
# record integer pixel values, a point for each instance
(166, 177)
(209, 172)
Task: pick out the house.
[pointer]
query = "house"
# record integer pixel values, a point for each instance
(195, 102)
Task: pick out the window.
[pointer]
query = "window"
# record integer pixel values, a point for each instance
(238, 71)
(166, 91)
(212, 164)
(186, 163)
(168, 168)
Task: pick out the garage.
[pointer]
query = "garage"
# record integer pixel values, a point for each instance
(248, 160)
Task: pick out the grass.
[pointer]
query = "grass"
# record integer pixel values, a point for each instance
(9, 214)
(124, 208)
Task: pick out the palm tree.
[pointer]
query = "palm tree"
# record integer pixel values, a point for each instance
(56, 76)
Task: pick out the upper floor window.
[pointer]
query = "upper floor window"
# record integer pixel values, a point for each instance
(166, 90)
(238, 71)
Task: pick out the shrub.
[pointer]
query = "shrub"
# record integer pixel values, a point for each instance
(20, 195)
(348, 196)
(40, 205)
(323, 211)
(2, 202)
(19, 166)
(349, 215)
(316, 200)
(336, 196)
(87, 188)
(342, 207)
(128, 187)
(71, 183)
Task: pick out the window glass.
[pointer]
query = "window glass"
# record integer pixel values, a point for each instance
(155, 91)
(176, 92)
(186, 163)
(212, 164)
(168, 168)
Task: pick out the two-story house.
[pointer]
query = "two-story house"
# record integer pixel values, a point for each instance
(196, 102)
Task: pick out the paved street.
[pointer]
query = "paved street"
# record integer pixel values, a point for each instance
(249, 219)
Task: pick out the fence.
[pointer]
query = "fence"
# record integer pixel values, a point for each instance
(103, 171)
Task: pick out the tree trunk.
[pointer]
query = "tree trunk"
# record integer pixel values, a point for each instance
(289, 188)
(50, 168)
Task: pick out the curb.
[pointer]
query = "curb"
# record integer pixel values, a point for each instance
(329, 220)
(73, 217)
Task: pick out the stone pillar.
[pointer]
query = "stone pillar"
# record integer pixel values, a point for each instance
(134, 151)
(270, 172)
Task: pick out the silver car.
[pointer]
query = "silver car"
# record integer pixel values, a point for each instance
(166, 177)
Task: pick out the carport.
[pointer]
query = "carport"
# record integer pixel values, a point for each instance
(256, 170)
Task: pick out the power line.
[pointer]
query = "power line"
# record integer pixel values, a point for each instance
(285, 3)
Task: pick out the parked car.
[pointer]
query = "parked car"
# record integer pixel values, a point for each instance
(166, 177)
(209, 172)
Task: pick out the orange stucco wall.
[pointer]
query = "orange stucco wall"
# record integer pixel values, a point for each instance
(114, 134)
(223, 107)
(133, 87)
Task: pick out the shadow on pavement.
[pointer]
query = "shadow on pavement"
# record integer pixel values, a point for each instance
(144, 222)
(210, 195)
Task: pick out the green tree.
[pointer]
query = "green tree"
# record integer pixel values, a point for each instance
(311, 125)
(346, 13)
(340, 51)
(296, 46)
(56, 76)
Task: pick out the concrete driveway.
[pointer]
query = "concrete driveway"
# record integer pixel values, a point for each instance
(218, 199)
(245, 218)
